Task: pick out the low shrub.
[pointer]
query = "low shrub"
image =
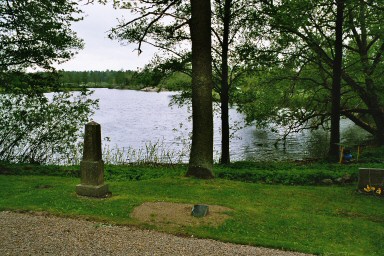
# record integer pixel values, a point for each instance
(287, 173)
(291, 173)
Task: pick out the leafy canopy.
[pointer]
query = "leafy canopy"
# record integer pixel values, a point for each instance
(37, 127)
(36, 33)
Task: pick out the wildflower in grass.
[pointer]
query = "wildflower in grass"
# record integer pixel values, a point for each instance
(368, 189)
(378, 191)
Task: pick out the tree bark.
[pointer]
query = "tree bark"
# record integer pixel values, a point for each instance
(336, 84)
(224, 92)
(201, 157)
(377, 113)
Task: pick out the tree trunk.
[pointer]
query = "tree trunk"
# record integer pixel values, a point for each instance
(336, 84)
(377, 113)
(379, 121)
(224, 93)
(201, 157)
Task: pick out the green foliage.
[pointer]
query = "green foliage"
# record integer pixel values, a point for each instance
(148, 77)
(177, 82)
(36, 33)
(36, 128)
(28, 83)
(133, 80)
(297, 64)
(301, 172)
(274, 96)
(289, 173)
(373, 154)
(163, 24)
(99, 79)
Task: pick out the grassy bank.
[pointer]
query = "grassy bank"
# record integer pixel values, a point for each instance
(319, 219)
(285, 173)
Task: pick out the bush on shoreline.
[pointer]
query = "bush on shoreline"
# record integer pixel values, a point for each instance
(286, 173)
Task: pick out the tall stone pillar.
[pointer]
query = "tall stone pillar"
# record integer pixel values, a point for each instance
(92, 165)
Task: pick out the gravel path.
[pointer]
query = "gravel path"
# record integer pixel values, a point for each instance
(27, 234)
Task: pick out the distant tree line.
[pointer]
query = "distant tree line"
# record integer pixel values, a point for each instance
(124, 79)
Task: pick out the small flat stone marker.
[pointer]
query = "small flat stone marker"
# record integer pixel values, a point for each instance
(199, 210)
(92, 165)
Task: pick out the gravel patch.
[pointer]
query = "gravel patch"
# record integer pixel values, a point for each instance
(31, 234)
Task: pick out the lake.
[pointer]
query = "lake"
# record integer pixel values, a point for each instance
(137, 122)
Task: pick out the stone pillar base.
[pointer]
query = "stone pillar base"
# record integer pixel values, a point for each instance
(93, 191)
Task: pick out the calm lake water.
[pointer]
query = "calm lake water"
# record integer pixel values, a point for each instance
(134, 119)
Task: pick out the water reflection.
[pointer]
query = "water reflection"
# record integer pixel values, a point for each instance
(305, 144)
(133, 118)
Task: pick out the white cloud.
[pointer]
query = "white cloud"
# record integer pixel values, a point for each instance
(100, 52)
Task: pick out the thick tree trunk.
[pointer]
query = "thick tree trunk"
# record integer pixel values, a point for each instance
(377, 112)
(201, 157)
(379, 135)
(224, 93)
(336, 84)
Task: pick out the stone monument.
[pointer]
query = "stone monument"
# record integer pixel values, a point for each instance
(92, 165)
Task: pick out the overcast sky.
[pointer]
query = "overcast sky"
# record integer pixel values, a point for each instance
(100, 52)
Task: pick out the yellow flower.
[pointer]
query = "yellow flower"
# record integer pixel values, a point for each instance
(367, 189)
(373, 188)
(378, 191)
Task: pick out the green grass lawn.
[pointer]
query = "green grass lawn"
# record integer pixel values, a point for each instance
(330, 220)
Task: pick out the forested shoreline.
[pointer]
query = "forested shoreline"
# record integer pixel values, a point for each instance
(124, 79)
